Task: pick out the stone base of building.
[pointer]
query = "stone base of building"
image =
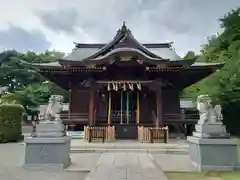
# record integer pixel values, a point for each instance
(213, 154)
(47, 153)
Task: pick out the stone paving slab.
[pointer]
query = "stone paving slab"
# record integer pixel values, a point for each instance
(174, 162)
(83, 162)
(126, 166)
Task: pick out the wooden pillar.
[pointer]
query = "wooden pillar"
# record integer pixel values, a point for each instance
(109, 108)
(96, 107)
(159, 120)
(127, 107)
(121, 107)
(69, 100)
(138, 109)
(91, 105)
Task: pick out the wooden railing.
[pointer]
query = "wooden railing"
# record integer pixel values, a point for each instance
(172, 116)
(191, 116)
(114, 120)
(100, 134)
(181, 117)
(83, 117)
(75, 117)
(152, 134)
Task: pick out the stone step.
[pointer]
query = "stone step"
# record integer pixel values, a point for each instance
(128, 146)
(102, 150)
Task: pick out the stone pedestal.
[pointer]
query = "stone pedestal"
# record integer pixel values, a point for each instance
(212, 149)
(49, 149)
(210, 131)
(50, 130)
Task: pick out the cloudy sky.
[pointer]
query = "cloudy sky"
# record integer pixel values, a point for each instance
(38, 25)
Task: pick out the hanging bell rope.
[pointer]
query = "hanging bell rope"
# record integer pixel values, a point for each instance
(139, 86)
(123, 85)
(116, 87)
(130, 86)
(113, 86)
(108, 87)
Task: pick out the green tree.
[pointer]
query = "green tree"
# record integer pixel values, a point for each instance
(26, 86)
(224, 85)
(190, 55)
(29, 97)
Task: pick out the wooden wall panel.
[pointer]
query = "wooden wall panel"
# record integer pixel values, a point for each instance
(80, 101)
(146, 114)
(102, 105)
(171, 102)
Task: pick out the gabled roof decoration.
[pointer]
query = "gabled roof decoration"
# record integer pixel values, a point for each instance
(152, 51)
(122, 34)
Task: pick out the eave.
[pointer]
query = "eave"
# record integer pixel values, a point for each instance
(179, 77)
(184, 76)
(197, 72)
(56, 67)
(49, 64)
(189, 65)
(203, 65)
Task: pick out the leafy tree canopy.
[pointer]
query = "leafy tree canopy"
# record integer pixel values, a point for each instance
(26, 86)
(223, 47)
(224, 85)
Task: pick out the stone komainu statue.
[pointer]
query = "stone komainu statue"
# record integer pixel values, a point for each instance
(3, 90)
(54, 108)
(208, 114)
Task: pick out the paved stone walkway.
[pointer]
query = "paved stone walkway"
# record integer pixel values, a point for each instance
(126, 166)
(107, 165)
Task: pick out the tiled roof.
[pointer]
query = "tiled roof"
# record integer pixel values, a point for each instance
(166, 53)
(79, 54)
(92, 51)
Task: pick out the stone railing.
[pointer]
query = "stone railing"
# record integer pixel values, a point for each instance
(101, 134)
(153, 134)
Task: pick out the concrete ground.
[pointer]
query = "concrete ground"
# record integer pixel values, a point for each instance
(12, 156)
(27, 129)
(113, 165)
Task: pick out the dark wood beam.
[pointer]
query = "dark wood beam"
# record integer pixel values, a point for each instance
(91, 103)
(159, 120)
(70, 99)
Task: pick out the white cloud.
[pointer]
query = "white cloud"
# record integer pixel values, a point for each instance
(23, 40)
(186, 22)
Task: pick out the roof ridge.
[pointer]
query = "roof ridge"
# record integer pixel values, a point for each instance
(99, 45)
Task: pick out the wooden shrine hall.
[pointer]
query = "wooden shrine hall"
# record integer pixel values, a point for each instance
(125, 84)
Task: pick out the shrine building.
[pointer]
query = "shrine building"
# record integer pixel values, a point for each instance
(125, 84)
